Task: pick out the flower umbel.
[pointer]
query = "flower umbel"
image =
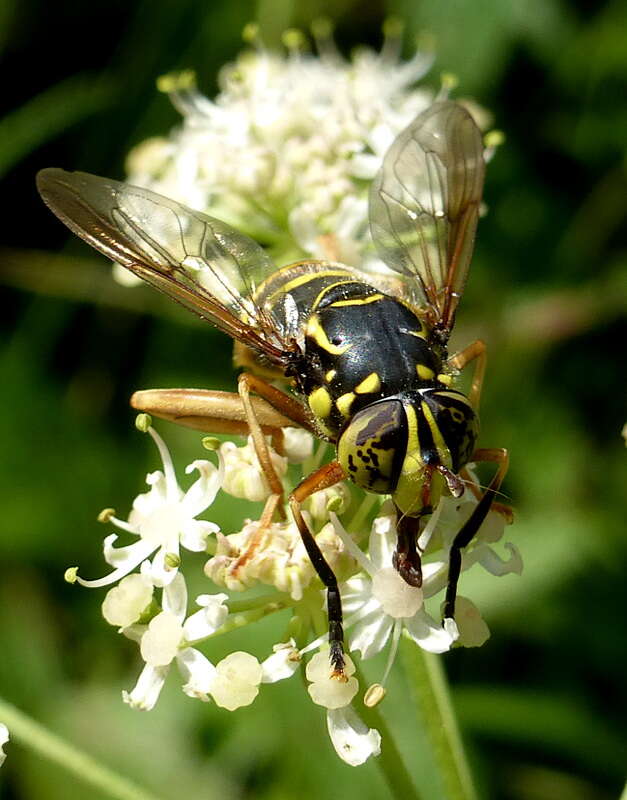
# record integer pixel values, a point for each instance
(285, 150)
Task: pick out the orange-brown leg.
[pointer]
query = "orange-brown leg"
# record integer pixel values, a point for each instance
(476, 351)
(212, 411)
(473, 523)
(501, 508)
(255, 540)
(323, 478)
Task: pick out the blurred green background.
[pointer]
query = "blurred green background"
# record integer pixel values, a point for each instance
(542, 705)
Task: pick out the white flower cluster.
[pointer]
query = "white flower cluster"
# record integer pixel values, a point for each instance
(149, 602)
(286, 150)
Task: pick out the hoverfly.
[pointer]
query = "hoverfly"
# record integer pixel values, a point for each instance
(366, 354)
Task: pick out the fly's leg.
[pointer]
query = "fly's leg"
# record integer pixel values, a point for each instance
(501, 508)
(476, 351)
(323, 478)
(473, 523)
(212, 412)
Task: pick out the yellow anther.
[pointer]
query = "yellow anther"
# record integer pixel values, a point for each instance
(293, 39)
(494, 138)
(393, 27)
(176, 81)
(374, 695)
(143, 422)
(250, 32)
(106, 514)
(70, 574)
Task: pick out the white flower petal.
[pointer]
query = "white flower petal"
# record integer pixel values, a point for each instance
(195, 534)
(353, 740)
(147, 689)
(205, 622)
(236, 682)
(298, 445)
(370, 634)
(473, 631)
(202, 492)
(4, 738)
(160, 643)
(242, 666)
(491, 561)
(428, 634)
(160, 571)
(197, 671)
(175, 597)
(283, 663)
(125, 603)
(127, 557)
(382, 542)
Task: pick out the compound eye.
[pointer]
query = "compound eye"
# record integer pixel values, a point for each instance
(372, 447)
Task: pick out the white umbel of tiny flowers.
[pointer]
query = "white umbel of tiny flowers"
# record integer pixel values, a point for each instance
(166, 639)
(4, 738)
(163, 519)
(289, 138)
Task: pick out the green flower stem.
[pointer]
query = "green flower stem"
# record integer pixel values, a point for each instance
(240, 620)
(29, 733)
(624, 794)
(428, 685)
(390, 762)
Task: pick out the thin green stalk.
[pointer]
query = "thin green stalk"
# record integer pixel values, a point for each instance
(429, 687)
(29, 733)
(390, 762)
(624, 794)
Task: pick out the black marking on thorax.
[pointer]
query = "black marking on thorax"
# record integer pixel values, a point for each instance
(360, 346)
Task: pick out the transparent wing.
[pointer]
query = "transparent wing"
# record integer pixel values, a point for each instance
(199, 261)
(424, 206)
